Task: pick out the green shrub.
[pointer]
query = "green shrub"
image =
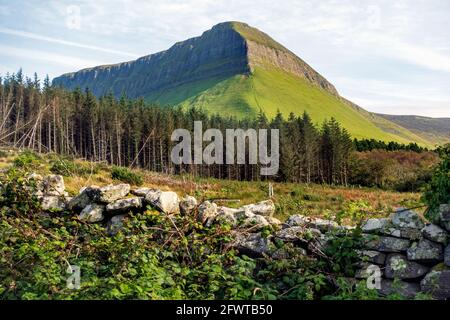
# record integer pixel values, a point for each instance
(126, 175)
(69, 168)
(27, 160)
(438, 190)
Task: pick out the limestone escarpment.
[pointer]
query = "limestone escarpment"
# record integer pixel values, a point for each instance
(260, 55)
(218, 53)
(226, 50)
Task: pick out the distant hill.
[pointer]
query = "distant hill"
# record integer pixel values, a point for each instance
(234, 69)
(435, 130)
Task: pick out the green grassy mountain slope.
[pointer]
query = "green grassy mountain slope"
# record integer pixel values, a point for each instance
(234, 69)
(436, 130)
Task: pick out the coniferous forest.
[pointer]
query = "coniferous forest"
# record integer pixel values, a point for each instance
(134, 133)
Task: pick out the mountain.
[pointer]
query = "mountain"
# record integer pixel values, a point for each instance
(436, 130)
(234, 69)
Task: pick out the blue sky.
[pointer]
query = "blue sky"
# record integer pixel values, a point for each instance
(388, 56)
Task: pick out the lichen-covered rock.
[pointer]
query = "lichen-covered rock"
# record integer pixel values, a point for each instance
(404, 218)
(447, 256)
(54, 185)
(425, 251)
(115, 224)
(375, 225)
(187, 205)
(225, 216)
(385, 244)
(273, 221)
(398, 266)
(437, 282)
(112, 193)
(297, 220)
(434, 233)
(444, 216)
(53, 203)
(124, 205)
(254, 223)
(263, 208)
(242, 214)
(290, 234)
(372, 256)
(92, 213)
(322, 224)
(284, 253)
(141, 192)
(86, 196)
(407, 233)
(253, 244)
(165, 201)
(407, 290)
(367, 270)
(207, 212)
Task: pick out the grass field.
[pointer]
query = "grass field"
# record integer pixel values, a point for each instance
(324, 201)
(269, 89)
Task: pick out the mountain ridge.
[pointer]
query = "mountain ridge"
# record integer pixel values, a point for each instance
(235, 69)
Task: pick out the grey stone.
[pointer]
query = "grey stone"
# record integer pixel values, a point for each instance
(408, 233)
(290, 234)
(141, 192)
(254, 223)
(437, 283)
(242, 214)
(83, 199)
(322, 225)
(54, 185)
(425, 251)
(385, 244)
(434, 233)
(284, 253)
(253, 244)
(225, 216)
(372, 256)
(406, 289)
(407, 219)
(367, 270)
(444, 216)
(398, 266)
(207, 212)
(447, 255)
(112, 193)
(375, 225)
(188, 205)
(166, 201)
(115, 224)
(263, 208)
(273, 221)
(53, 203)
(92, 213)
(297, 220)
(124, 205)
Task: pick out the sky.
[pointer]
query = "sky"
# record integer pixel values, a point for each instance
(387, 56)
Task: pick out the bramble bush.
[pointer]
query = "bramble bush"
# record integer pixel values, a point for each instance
(154, 256)
(126, 175)
(438, 190)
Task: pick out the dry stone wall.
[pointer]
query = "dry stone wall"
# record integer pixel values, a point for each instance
(410, 255)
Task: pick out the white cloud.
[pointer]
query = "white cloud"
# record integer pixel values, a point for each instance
(52, 58)
(63, 42)
(339, 38)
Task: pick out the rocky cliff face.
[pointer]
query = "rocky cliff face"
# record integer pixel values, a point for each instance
(219, 52)
(227, 49)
